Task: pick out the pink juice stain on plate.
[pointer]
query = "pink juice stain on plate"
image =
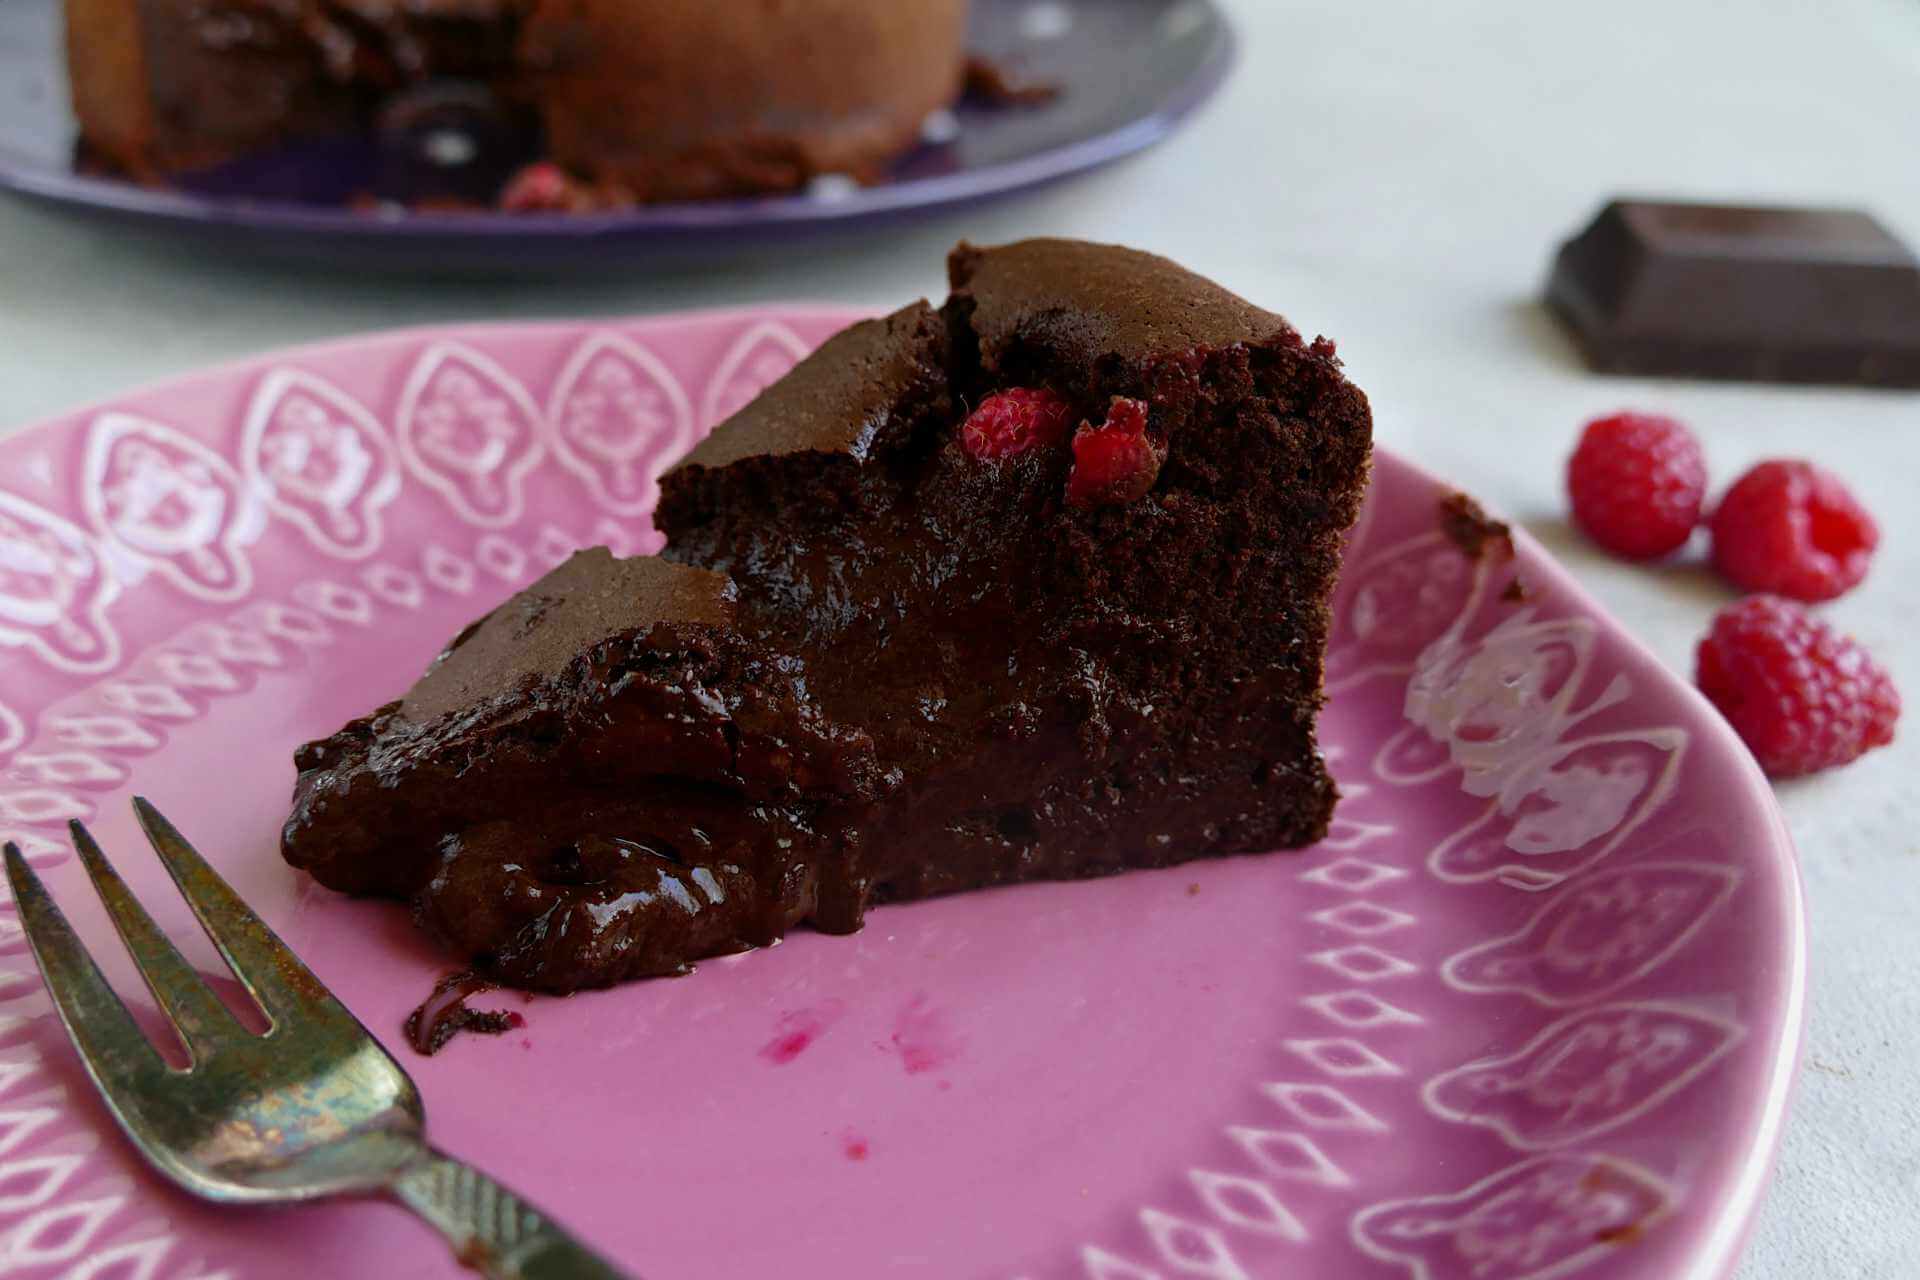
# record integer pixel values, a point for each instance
(923, 1038)
(799, 1028)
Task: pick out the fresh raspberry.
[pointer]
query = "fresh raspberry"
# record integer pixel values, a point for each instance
(541, 187)
(1793, 529)
(1637, 481)
(1013, 421)
(1115, 462)
(1803, 696)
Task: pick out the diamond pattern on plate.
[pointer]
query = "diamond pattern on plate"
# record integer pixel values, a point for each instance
(1289, 1155)
(31, 1181)
(61, 1233)
(1342, 1056)
(148, 698)
(67, 769)
(394, 585)
(238, 643)
(1345, 834)
(1363, 962)
(1246, 1203)
(1362, 919)
(127, 1260)
(37, 805)
(1359, 1010)
(1355, 875)
(1102, 1265)
(501, 558)
(299, 626)
(336, 600)
(197, 671)
(1191, 1248)
(447, 571)
(1321, 1106)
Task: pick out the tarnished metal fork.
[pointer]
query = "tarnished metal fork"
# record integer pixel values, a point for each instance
(312, 1108)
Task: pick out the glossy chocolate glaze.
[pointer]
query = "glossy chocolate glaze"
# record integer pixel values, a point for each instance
(871, 667)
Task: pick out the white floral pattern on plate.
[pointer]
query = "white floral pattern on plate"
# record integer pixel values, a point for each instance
(1585, 1074)
(469, 430)
(55, 587)
(761, 354)
(618, 415)
(163, 497)
(321, 460)
(1600, 933)
(1548, 1217)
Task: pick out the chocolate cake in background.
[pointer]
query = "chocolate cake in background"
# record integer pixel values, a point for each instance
(1031, 586)
(638, 101)
(680, 99)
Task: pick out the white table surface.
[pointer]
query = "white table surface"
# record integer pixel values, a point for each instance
(1394, 175)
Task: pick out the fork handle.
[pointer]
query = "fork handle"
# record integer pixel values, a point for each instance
(492, 1230)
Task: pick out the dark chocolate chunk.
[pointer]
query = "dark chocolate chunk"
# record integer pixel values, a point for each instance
(1712, 291)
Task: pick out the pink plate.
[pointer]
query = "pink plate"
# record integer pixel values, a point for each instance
(1530, 1011)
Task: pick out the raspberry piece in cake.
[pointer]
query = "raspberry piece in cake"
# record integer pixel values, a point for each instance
(1009, 423)
(1117, 461)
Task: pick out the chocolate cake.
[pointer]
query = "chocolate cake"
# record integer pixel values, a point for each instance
(671, 99)
(1031, 586)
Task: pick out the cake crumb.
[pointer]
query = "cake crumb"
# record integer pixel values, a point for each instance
(1193, 889)
(1515, 593)
(1467, 523)
(444, 1014)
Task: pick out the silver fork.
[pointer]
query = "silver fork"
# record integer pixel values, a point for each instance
(312, 1108)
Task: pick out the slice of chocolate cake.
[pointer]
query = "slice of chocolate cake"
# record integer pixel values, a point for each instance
(1033, 586)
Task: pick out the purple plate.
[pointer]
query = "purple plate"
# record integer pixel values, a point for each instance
(1129, 71)
(1529, 1012)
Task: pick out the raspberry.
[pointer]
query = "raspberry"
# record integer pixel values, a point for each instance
(1013, 421)
(1793, 529)
(1637, 481)
(1803, 696)
(1114, 462)
(542, 187)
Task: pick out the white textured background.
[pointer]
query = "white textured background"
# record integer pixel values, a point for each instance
(1394, 175)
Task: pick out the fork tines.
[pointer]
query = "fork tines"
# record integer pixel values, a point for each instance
(95, 1017)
